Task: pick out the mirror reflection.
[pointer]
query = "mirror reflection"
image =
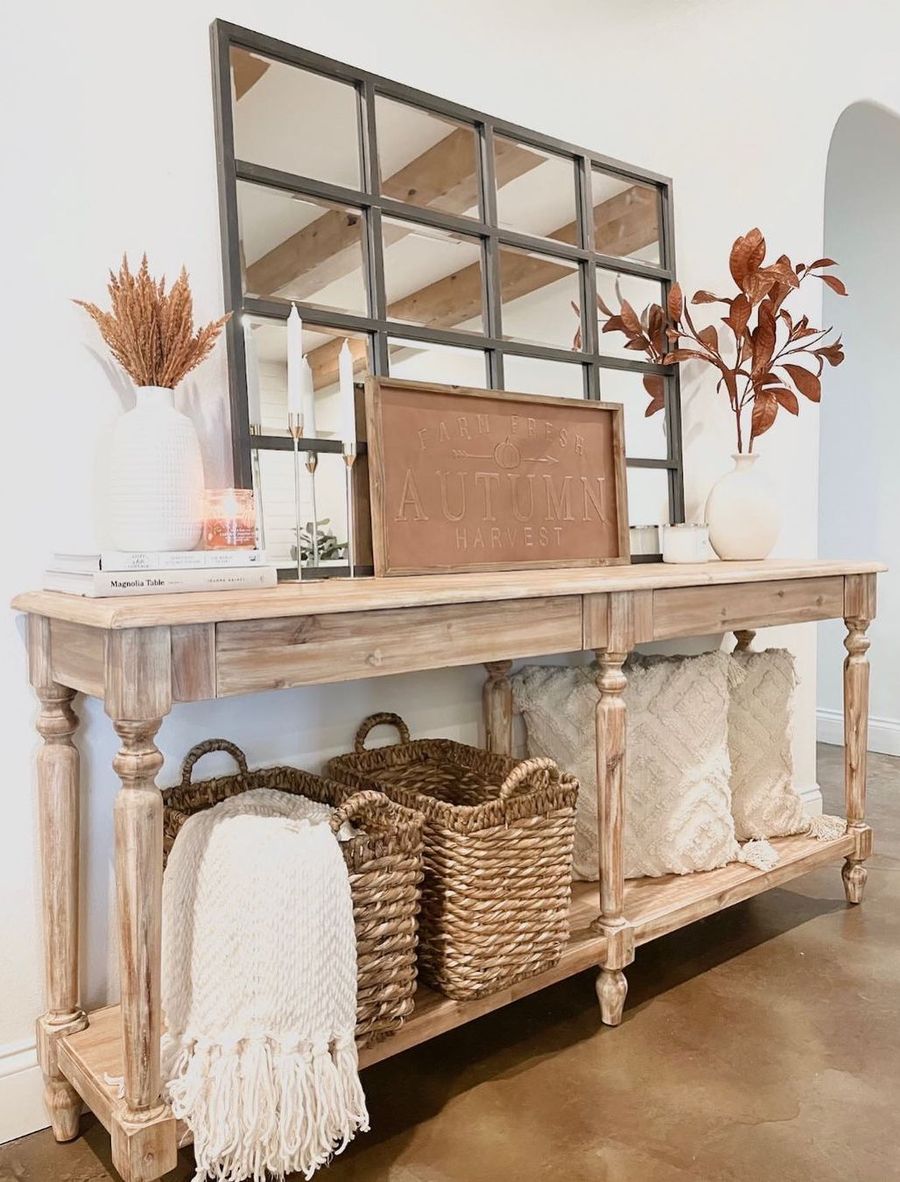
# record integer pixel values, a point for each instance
(299, 248)
(271, 105)
(645, 434)
(425, 159)
(625, 218)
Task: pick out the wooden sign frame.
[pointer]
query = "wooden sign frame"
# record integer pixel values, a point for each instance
(576, 524)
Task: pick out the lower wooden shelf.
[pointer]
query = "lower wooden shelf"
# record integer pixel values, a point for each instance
(654, 906)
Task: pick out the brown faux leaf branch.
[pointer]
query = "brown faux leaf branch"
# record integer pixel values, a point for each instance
(150, 331)
(757, 354)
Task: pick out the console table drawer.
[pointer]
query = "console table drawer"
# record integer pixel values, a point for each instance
(307, 650)
(695, 611)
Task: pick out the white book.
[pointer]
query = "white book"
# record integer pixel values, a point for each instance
(126, 560)
(100, 584)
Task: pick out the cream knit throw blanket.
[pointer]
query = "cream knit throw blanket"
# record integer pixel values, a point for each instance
(259, 988)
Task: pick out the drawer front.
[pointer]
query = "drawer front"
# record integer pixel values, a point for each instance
(696, 611)
(311, 650)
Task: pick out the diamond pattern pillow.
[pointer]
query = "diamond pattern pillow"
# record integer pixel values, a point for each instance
(678, 801)
(763, 798)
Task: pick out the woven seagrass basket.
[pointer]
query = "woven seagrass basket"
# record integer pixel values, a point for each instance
(498, 854)
(384, 863)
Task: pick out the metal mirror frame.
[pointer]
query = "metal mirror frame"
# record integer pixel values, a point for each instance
(374, 206)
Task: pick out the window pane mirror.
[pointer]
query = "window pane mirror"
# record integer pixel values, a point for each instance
(443, 244)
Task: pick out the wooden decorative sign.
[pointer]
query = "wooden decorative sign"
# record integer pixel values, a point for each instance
(467, 480)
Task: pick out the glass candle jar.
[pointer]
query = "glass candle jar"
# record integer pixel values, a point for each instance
(230, 519)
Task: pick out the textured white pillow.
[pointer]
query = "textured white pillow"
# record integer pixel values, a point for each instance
(763, 798)
(678, 801)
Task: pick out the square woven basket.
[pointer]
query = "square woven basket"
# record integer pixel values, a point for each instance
(384, 862)
(498, 854)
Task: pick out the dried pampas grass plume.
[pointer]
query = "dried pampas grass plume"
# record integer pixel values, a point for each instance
(150, 331)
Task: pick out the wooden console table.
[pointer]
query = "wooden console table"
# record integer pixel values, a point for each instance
(141, 654)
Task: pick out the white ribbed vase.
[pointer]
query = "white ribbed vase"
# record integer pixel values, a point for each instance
(742, 512)
(156, 476)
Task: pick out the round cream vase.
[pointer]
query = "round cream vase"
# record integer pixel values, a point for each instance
(743, 513)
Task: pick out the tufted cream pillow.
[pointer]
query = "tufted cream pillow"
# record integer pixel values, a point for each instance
(678, 802)
(763, 798)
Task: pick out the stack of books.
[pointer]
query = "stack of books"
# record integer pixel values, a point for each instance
(164, 572)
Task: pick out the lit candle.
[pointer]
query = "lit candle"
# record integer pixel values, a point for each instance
(309, 400)
(251, 362)
(348, 408)
(294, 358)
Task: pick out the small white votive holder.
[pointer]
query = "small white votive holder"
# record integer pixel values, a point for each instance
(685, 543)
(643, 539)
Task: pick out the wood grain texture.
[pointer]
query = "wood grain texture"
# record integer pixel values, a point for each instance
(79, 656)
(57, 774)
(860, 600)
(193, 662)
(275, 654)
(139, 673)
(337, 595)
(694, 610)
(497, 702)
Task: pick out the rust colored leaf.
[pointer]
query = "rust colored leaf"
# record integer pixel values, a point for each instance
(710, 337)
(747, 255)
(739, 315)
(836, 285)
(683, 355)
(603, 308)
(765, 409)
(833, 354)
(614, 324)
(655, 386)
(807, 383)
(707, 297)
(675, 302)
(630, 318)
(821, 263)
(763, 341)
(787, 399)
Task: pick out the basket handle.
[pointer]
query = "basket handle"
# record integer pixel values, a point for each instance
(201, 749)
(523, 772)
(358, 805)
(383, 719)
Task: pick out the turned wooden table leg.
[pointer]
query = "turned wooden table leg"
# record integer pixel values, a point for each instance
(58, 812)
(744, 638)
(610, 726)
(497, 702)
(139, 685)
(859, 599)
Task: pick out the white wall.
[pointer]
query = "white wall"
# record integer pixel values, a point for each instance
(859, 476)
(108, 146)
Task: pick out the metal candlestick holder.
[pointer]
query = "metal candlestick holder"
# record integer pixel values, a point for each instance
(295, 426)
(312, 462)
(349, 454)
(256, 429)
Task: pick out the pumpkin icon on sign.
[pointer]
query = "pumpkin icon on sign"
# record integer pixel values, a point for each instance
(507, 455)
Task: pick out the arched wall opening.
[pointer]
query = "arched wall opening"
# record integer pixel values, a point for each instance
(859, 457)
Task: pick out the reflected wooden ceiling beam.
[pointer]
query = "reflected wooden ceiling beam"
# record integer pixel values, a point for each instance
(246, 69)
(444, 176)
(623, 224)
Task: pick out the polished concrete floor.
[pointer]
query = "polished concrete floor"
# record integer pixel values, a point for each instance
(760, 1045)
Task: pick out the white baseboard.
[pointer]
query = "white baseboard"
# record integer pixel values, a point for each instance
(21, 1091)
(812, 799)
(884, 733)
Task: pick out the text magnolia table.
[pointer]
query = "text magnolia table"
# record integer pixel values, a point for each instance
(139, 655)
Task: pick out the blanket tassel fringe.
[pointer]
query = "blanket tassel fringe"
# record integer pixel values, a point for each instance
(826, 828)
(759, 853)
(259, 1109)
